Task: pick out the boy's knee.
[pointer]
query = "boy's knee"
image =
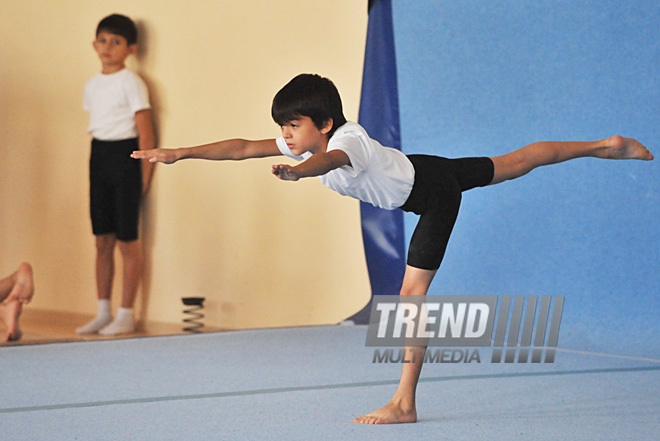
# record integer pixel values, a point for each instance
(131, 248)
(105, 243)
(411, 291)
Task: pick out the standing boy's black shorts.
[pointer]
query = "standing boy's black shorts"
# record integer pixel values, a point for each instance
(115, 188)
(436, 197)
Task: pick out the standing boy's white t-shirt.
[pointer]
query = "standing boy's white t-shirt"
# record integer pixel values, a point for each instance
(112, 101)
(381, 176)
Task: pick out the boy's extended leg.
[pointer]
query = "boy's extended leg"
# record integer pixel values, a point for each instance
(401, 408)
(520, 162)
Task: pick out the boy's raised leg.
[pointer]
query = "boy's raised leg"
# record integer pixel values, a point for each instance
(402, 408)
(520, 162)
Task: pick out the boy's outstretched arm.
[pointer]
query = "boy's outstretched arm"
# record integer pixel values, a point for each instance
(231, 149)
(317, 165)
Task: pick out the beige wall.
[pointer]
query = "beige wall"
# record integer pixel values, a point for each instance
(262, 251)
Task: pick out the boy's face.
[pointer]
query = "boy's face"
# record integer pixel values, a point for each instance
(112, 49)
(302, 135)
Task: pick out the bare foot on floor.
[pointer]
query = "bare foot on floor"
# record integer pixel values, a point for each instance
(627, 148)
(9, 313)
(391, 413)
(23, 289)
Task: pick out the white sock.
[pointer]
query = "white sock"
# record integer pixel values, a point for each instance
(103, 317)
(122, 324)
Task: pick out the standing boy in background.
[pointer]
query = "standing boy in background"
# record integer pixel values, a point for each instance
(120, 122)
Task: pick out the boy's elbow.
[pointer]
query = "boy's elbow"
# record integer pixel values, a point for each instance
(240, 150)
(256, 149)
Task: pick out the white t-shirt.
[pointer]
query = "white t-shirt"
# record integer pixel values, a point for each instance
(112, 101)
(381, 176)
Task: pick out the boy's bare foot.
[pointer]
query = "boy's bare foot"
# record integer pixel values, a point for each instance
(627, 148)
(23, 289)
(392, 413)
(9, 313)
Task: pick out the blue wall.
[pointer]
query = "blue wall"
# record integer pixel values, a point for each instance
(481, 78)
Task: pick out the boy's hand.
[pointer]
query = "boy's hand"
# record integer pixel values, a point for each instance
(285, 172)
(166, 156)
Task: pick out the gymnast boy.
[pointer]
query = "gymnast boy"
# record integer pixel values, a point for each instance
(309, 111)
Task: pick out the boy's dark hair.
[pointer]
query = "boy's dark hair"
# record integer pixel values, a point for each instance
(120, 25)
(309, 95)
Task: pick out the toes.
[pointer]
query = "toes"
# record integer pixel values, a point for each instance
(368, 420)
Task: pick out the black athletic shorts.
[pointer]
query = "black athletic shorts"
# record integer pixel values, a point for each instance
(115, 188)
(436, 197)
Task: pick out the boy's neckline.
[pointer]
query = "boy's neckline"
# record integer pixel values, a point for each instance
(113, 73)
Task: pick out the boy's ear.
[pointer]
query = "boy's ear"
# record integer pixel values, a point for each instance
(133, 48)
(327, 126)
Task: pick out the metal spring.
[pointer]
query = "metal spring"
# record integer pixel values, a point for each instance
(194, 320)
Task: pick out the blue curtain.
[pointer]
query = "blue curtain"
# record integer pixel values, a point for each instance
(382, 230)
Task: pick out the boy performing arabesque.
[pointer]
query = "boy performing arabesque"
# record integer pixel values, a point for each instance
(344, 157)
